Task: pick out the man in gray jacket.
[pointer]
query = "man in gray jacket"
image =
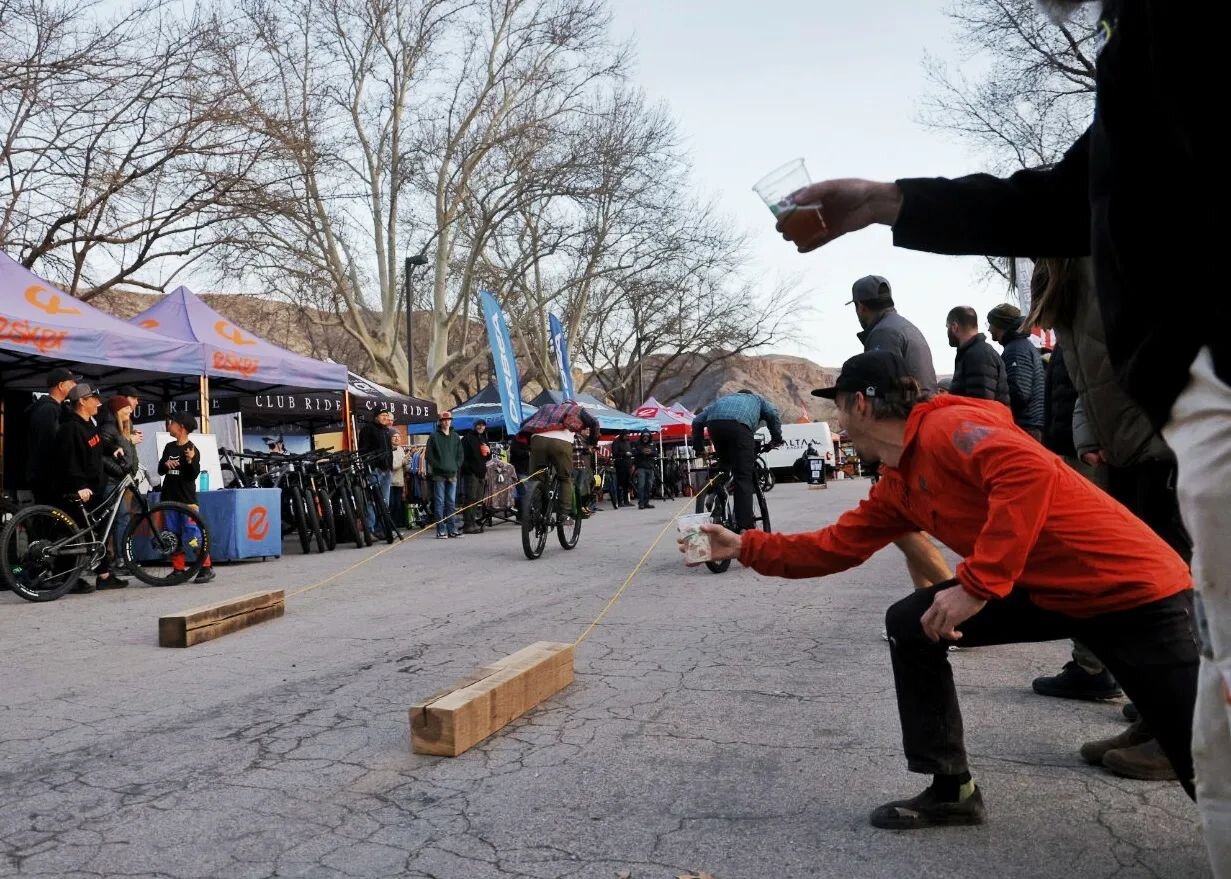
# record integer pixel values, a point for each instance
(886, 330)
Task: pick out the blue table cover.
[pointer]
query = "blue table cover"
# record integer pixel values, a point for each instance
(243, 523)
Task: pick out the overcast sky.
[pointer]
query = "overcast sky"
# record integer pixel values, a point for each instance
(754, 85)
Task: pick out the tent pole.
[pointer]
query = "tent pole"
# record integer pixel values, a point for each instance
(347, 427)
(239, 427)
(205, 406)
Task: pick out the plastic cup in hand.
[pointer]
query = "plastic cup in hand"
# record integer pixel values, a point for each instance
(777, 187)
(696, 542)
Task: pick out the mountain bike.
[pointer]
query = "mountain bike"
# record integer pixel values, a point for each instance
(543, 510)
(764, 476)
(718, 499)
(44, 551)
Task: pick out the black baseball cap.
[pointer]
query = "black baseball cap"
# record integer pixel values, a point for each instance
(870, 288)
(61, 374)
(128, 391)
(873, 374)
(185, 420)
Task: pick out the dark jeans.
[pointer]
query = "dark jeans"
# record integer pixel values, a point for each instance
(474, 493)
(736, 447)
(645, 485)
(624, 482)
(1151, 650)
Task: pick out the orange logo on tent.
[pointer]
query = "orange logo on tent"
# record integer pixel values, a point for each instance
(244, 366)
(258, 523)
(23, 332)
(232, 334)
(51, 304)
(148, 324)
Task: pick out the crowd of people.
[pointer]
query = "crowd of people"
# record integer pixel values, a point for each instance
(79, 449)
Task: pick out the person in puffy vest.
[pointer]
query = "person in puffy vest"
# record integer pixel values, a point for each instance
(551, 431)
(1023, 364)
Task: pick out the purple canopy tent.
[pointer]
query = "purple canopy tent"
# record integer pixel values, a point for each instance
(42, 327)
(236, 359)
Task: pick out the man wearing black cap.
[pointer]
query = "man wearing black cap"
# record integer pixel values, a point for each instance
(1023, 365)
(43, 418)
(81, 468)
(886, 330)
(1032, 570)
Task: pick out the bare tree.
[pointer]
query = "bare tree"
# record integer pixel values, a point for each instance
(118, 163)
(1034, 95)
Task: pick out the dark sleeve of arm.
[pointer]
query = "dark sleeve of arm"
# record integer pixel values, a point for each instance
(773, 420)
(162, 462)
(1031, 213)
(1021, 383)
(848, 542)
(190, 469)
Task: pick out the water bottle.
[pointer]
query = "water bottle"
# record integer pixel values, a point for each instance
(203, 481)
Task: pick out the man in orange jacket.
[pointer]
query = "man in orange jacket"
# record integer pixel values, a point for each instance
(1046, 555)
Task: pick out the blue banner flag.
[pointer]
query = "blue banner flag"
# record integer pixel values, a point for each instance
(559, 344)
(508, 383)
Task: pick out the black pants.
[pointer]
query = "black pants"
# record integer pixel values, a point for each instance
(736, 446)
(624, 482)
(1152, 651)
(473, 487)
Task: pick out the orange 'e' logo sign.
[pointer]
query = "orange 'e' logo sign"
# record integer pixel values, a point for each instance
(51, 304)
(258, 523)
(231, 334)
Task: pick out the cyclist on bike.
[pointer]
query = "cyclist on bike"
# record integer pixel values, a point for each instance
(551, 431)
(732, 422)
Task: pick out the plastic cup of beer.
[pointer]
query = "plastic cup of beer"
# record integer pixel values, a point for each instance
(777, 187)
(696, 542)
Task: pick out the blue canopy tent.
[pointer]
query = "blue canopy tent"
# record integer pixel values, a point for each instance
(484, 405)
(609, 419)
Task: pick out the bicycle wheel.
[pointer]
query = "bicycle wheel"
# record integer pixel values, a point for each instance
(568, 534)
(349, 518)
(359, 497)
(42, 555)
(299, 517)
(718, 505)
(324, 514)
(534, 522)
(762, 521)
(765, 477)
(166, 544)
(314, 519)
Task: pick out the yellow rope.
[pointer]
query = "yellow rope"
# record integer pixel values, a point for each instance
(637, 567)
(410, 537)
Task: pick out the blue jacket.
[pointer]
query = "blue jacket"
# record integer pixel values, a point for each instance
(748, 409)
(1027, 380)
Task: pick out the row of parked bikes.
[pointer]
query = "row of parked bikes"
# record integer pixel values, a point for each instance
(328, 497)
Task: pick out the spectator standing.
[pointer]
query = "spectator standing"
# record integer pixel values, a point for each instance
(886, 330)
(119, 436)
(43, 419)
(1023, 365)
(622, 461)
(444, 460)
(180, 466)
(475, 453)
(645, 459)
(978, 371)
(376, 444)
(81, 470)
(397, 485)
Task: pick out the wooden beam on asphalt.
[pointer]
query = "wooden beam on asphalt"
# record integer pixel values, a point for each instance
(452, 721)
(215, 620)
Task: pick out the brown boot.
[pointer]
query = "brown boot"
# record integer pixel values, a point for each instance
(1146, 762)
(1094, 752)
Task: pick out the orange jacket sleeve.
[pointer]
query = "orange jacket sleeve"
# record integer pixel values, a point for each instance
(851, 540)
(1018, 477)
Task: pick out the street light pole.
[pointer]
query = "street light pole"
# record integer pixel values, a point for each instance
(411, 261)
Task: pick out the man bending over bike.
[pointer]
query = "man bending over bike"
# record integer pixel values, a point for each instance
(551, 432)
(732, 421)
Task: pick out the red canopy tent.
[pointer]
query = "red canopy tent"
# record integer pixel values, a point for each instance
(671, 424)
